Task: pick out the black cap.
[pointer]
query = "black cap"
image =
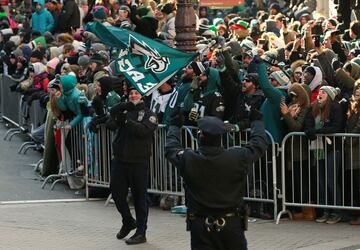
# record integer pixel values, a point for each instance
(37, 54)
(211, 125)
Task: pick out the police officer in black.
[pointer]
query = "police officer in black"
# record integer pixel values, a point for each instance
(215, 181)
(135, 125)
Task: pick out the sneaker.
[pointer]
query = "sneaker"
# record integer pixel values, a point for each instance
(333, 219)
(323, 218)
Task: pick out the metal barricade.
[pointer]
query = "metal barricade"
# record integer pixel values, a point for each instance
(37, 123)
(98, 155)
(164, 177)
(323, 173)
(1, 102)
(10, 107)
(72, 157)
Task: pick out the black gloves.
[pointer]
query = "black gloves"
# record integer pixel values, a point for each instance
(121, 107)
(311, 134)
(98, 105)
(255, 115)
(97, 120)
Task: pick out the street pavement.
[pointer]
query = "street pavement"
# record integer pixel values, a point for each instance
(18, 180)
(57, 224)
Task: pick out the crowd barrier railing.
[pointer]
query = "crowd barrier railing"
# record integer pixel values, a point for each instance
(72, 157)
(165, 179)
(323, 173)
(12, 114)
(10, 105)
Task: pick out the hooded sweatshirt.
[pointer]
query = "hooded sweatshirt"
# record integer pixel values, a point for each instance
(42, 20)
(40, 79)
(69, 100)
(315, 84)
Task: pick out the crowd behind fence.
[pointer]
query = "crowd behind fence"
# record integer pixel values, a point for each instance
(300, 178)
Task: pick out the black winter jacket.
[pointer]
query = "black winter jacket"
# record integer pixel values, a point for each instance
(133, 139)
(215, 177)
(69, 17)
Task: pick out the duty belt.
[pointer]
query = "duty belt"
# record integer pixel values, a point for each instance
(218, 222)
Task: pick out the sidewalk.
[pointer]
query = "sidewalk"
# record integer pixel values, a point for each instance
(90, 225)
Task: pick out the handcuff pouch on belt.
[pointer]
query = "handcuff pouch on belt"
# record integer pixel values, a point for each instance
(217, 223)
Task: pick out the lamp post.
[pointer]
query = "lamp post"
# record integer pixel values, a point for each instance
(185, 25)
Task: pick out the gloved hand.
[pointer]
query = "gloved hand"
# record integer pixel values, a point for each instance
(336, 64)
(255, 115)
(129, 106)
(97, 120)
(98, 105)
(120, 119)
(118, 108)
(311, 134)
(231, 127)
(193, 115)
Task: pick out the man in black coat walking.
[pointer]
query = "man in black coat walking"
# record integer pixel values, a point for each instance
(215, 181)
(135, 125)
(69, 19)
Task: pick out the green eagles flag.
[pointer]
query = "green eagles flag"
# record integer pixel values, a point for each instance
(144, 62)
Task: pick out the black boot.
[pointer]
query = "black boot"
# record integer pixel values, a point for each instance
(137, 238)
(126, 229)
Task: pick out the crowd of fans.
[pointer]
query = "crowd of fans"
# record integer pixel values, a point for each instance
(299, 68)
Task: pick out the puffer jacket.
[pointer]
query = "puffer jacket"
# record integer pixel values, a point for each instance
(42, 20)
(69, 100)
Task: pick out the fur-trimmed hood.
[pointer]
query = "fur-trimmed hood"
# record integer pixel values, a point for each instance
(303, 93)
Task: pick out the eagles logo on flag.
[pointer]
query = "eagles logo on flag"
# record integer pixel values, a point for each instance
(154, 62)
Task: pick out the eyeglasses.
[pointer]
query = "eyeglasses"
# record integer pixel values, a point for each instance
(297, 73)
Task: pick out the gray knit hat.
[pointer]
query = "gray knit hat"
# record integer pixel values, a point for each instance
(331, 91)
(83, 60)
(96, 47)
(281, 77)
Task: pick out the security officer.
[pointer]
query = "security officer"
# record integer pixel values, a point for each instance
(135, 125)
(215, 181)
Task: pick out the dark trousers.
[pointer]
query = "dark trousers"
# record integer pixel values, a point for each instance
(230, 237)
(330, 179)
(134, 176)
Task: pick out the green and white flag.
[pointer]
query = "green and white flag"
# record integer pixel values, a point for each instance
(146, 63)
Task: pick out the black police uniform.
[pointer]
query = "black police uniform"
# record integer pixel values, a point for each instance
(215, 185)
(130, 166)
